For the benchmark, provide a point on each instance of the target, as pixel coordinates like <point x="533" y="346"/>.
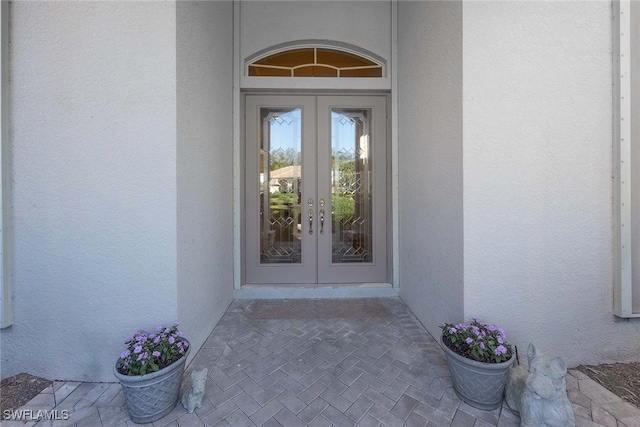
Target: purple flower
<point x="452" y="330"/>
<point x="482" y="345"/>
<point x="150" y="347"/>
<point x="175" y="323"/>
<point x="500" y="340"/>
<point x="500" y="350"/>
<point x="469" y="340"/>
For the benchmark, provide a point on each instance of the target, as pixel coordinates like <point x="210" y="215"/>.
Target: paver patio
<point x="364" y="362"/>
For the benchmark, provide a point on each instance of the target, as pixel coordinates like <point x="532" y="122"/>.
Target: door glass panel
<point x="351" y="186"/>
<point x="280" y="183"/>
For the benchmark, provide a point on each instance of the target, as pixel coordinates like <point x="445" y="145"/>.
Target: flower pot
<point x="151" y="396"/>
<point x="478" y="384"/>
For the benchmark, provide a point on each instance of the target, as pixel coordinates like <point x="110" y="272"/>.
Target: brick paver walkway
<point x="288" y="363"/>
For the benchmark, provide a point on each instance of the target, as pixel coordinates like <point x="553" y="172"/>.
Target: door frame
<point x="240" y="192"/>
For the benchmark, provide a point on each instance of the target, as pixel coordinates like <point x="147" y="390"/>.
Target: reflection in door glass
<point x="351" y="186"/>
<point x="280" y="183"/>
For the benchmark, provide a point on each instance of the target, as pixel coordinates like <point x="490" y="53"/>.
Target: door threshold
<point x="348" y="290"/>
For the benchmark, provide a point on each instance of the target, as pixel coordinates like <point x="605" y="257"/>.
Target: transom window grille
<point x="315" y="62"/>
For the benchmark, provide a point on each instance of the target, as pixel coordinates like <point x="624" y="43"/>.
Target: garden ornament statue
<point x="540" y="394"/>
<point x="192" y="398"/>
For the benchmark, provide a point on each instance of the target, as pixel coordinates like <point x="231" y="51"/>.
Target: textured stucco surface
<point x="366" y="24"/>
<point x="537" y="177"/>
<point x="93" y="137"/>
<point x="120" y="131"/>
<point x="430" y="158"/>
<point x="204" y="166"/>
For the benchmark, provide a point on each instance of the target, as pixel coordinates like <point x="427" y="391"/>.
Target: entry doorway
<point x="316" y="190"/>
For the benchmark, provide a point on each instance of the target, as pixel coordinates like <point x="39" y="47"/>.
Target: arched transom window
<point x="314" y="62"/>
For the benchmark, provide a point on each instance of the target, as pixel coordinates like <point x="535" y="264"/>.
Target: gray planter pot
<point x="479" y="384"/>
<point x="152" y="396"/>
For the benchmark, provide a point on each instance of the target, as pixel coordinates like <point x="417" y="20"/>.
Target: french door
<point x="316" y="189"/>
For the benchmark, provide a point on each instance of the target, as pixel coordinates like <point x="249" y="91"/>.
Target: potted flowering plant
<point x="150" y="372"/>
<point x="479" y="358"/>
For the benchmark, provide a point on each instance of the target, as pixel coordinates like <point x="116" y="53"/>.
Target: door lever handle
<point x="321" y="214"/>
<point x="310" y="221"/>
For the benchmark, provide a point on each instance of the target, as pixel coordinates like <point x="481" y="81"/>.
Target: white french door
<point x="316" y="189"/>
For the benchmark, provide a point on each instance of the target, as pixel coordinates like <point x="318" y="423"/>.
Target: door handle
<point x="321" y="214"/>
<point x="310" y="221"/>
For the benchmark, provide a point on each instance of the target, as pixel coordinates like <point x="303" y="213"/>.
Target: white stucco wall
<point x="366" y="24"/>
<point x="121" y="147"/>
<point x="537" y="177"/>
<point x="93" y="137"/>
<point x="430" y="160"/>
<point x="204" y="165"/>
